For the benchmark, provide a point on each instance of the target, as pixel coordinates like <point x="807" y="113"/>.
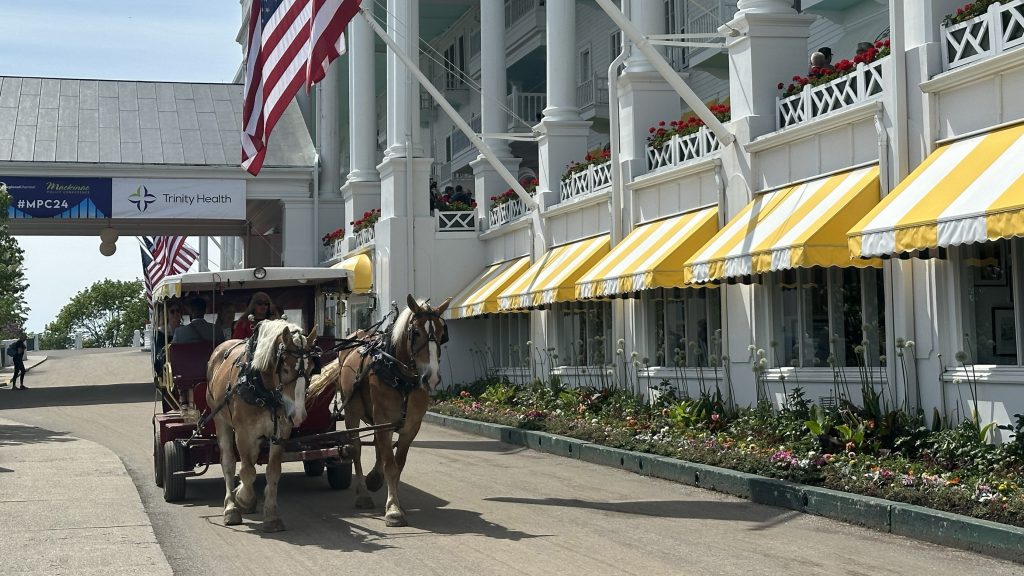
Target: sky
<point x="184" y="41"/>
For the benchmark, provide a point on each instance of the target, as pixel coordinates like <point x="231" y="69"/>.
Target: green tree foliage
<point x="108" y="313"/>
<point x="13" y="310"/>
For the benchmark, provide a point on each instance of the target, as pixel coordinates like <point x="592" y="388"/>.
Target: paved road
<point x="475" y="507"/>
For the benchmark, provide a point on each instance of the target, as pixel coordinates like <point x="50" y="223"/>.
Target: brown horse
<point x="376" y="393"/>
<point x="278" y="360"/>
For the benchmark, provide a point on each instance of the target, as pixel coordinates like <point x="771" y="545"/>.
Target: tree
<point x="108" y="312"/>
<point x="13" y="310"/>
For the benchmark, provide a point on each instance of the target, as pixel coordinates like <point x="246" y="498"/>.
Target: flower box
<point x="980" y="30"/>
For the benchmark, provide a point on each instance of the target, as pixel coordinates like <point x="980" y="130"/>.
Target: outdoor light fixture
<point x="108" y="235"/>
<point x="260" y="273"/>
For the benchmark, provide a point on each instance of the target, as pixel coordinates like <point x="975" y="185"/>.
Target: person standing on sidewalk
<point x="17" y="352"/>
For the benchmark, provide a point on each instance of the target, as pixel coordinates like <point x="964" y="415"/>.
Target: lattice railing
<point x="865" y="83"/>
<point x="525" y="106"/>
<point x="682" y="149"/>
<point x="995" y="31"/>
<point x="464" y="221"/>
<point x="507" y="212"/>
<point x="363" y="237"/>
<point x="339" y="248"/>
<point x="594" y="178"/>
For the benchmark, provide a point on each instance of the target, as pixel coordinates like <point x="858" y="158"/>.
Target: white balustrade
<point x="507" y="212"/>
<point x="995" y="31"/>
<point x="525" y="106"/>
<point x="865" y="83"/>
<point x="682" y="149"/>
<point x="364" y="237"/>
<point x="464" y="221"/>
<point x="339" y="248"/>
<point x="516" y="10"/>
<point x="589" y="181"/>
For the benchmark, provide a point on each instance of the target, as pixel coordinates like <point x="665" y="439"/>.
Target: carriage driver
<point x="199" y="329"/>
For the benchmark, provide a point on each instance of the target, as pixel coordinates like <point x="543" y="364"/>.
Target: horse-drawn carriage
<point x="184" y="438"/>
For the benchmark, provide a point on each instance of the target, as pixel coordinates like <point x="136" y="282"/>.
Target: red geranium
<point x="369" y="218"/>
<point x="330" y="237"/>
<point x="687" y="124"/>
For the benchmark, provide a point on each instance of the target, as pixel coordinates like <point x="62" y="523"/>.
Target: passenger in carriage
<point x="260" y="308"/>
<point x="162" y="339"/>
<point x="198" y="329"/>
<point x="225" y="319"/>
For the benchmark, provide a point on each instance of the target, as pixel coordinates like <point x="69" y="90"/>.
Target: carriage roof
<point x="276" y="277"/>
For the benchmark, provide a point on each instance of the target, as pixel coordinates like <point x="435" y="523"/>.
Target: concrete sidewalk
<point x="68" y="506"/>
<point x="33" y="360"/>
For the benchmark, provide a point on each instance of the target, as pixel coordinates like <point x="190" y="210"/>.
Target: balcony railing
<point x="516" y="10"/>
<point x="592" y="92"/>
<point x="525" y="106"/>
<point x="594" y="178"/>
<point x="707" y="16"/>
<point x="338" y="249"/>
<point x="507" y="212"/>
<point x="866" y="83"/>
<point x="363" y="238"/>
<point x="456" y="221"/>
<point x="997" y="30"/>
<point x="461" y="143"/>
<point x="682" y="149"/>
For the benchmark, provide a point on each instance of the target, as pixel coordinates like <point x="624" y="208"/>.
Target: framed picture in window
<point x="990" y="267"/>
<point x="1004" y="331"/>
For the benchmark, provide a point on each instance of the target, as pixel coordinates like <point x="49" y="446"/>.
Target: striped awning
<point x="481" y="296"/>
<point x="968" y="191"/>
<point x="651" y="256"/>
<point x="553" y="277"/>
<point x="796" y="227"/>
<point x="362" y="272"/>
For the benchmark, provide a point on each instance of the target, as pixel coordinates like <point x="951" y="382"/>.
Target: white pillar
<point x="561" y="64"/>
<point x="362" y="108"/>
<point x="329" y="131"/>
<point x="296" y="221"/>
<point x="649" y="18"/>
<point x="403" y="89"/>
<point x="493" y="77"/>
<point x="204" y="254"/>
<point x="765" y="6"/>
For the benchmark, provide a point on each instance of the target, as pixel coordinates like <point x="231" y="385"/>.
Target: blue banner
<point x="33" y="197"/>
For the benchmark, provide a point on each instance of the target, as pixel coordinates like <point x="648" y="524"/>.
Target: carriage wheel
<point x="174" y="461"/>
<point x="340" y="476"/>
<point x="313" y="467"/>
<point x="158" y="458"/>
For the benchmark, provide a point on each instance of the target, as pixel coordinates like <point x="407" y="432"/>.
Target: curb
<point x="28" y="365"/>
<point x="920" y="523"/>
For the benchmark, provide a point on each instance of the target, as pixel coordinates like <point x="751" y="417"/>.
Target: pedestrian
<point x="17" y="353"/>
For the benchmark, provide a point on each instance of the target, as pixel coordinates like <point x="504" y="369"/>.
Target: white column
<point x="493" y="77"/>
<point x="296" y="220"/>
<point x="765" y="6"/>
<point x="204" y="254"/>
<point x="328" y="130"/>
<point x="362" y="110"/>
<point x="403" y="90"/>
<point x="561" y="64"/>
<point x="649" y="18"/>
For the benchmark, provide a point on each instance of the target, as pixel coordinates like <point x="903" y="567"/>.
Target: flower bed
<point x="593" y="158"/>
<point x="369" y="218"/>
<point x="968" y="11"/>
<point x="509" y="195"/>
<point x="846" y="448"/>
<point x="446" y="204"/>
<point x="330" y="237"/>
<point x="819" y="76"/>
<point x="688" y="124"/>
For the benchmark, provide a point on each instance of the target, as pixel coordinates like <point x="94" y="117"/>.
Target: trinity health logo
<point x="142" y="198"/>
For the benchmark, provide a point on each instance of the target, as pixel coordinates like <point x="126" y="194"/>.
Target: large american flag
<point x="291" y="44"/>
<point x="167" y="255"/>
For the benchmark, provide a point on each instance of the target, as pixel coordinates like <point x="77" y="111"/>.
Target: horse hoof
<point x="246" y="508"/>
<point x="273" y="526"/>
<point x="374" y="481"/>
<point x="395" y="521"/>
<point x="364" y="503"/>
<point x="232" y="518"/>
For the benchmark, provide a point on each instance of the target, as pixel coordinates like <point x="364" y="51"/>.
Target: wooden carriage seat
<point x="188" y="363"/>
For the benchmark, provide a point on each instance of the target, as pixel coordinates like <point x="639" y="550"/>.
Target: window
<point x="510" y="334"/>
<point x="360" y="314"/>
<point x="615" y="43"/>
<point x="584" y="331"/>
<point x="455" y="63"/>
<point x="989" y="294"/>
<point x="683" y="326"/>
<point x="585" y="69"/>
<point x="827" y="315"/>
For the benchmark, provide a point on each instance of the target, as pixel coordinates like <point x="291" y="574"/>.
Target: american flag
<point x="167" y="255"/>
<point x="291" y="44"/>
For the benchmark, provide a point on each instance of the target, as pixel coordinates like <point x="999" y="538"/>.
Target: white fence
<point x="682" y="149"/>
<point x="363" y="237"/>
<point x="525" y="107"/>
<point x="464" y="221"/>
<point x="507" y="212"/>
<point x="865" y="83"/>
<point x="995" y="31"/>
<point x="592" y="91"/>
<point x="594" y="178"/>
<point x="339" y="248"/>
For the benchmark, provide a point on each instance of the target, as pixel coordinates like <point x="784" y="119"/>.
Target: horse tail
<point x="326" y="381"/>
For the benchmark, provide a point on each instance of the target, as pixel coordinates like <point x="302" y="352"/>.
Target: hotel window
<point x="585" y="70"/>
<point x="584" y="333"/>
<point x="683" y="326"/>
<point x="510" y="334"/>
<point x="827" y="313"/>
<point x="989" y="284"/>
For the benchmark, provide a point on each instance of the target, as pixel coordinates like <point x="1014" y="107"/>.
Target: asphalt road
<point x="475" y="506"/>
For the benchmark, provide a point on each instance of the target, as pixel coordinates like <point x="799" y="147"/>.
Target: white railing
<point x="592" y="92"/>
<point x="681" y="149"/>
<point x="339" y="248"/>
<point x="506" y="212"/>
<point x="594" y="178"/>
<point x="525" y="106"/>
<point x="995" y="31"/>
<point x="363" y="237"/>
<point x="455" y="221"/>
<point x="460" y="142"/>
<point x="516" y="10"/>
<point x="865" y="83"/>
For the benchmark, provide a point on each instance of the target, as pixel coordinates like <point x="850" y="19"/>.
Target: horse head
<point x="421" y="333"/>
<point x="285" y="354"/>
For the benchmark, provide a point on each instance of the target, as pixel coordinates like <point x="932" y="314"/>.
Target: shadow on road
<point x="15" y="434"/>
<point x="469" y="446"/>
<point x="81" y="395"/>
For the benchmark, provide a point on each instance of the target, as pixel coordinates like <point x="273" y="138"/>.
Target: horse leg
<point x="395" y="461"/>
<point x="249" y="453"/>
<point x="226" y="443"/>
<point x="363" y="499"/>
<point x="394" y="516"/>
<point x="271" y="521"/>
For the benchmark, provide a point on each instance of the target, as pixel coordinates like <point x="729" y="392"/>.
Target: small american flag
<point x="291" y="44"/>
<point x="170" y="255"/>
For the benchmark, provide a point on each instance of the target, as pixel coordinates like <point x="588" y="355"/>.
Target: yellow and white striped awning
<point x="968" y="191"/>
<point x="651" y="256"/>
<point x="481" y="296"/>
<point x="553" y="278"/>
<point x="362" y="272"/>
<point x="796" y="227"/>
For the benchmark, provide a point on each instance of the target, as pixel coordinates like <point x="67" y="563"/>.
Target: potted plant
<point x="508" y="195"/>
<point x="593" y="158"/>
<point x="369" y="218"/>
<point x="688" y="124"/>
<point x="331" y="237"/>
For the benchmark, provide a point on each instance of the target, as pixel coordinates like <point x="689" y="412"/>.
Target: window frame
<point x="558" y="330"/>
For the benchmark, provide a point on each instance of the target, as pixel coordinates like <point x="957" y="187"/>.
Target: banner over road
<point x="173" y="198"/>
<point x="33" y="197"/>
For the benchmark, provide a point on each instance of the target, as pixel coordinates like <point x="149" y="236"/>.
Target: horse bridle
<point x="313" y="354"/>
<point x="431" y="316"/>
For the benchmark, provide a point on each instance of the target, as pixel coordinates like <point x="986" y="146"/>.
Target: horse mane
<point x="270" y="330"/>
<point x="326" y="380"/>
<point x="402" y="324"/>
